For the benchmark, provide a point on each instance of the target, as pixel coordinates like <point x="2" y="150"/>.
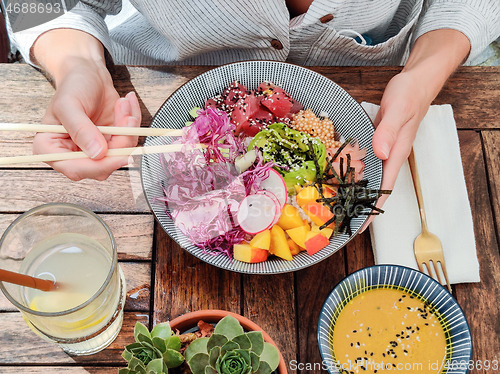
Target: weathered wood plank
<point x="479" y="301"/>
<point x="138" y="278"/>
<point x="313" y="285"/>
<point x="24" y="189"/>
<point x="20" y="346"/>
<point x="491" y="141"/>
<point x="133" y="233"/>
<point x="269" y="301"/>
<point x="359" y="253"/>
<point x="183" y="283"/>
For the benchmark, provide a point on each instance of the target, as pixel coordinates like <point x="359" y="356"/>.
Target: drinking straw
<point x="27" y="281"/>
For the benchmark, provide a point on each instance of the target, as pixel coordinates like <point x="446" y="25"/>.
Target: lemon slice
<point x="60" y="301"/>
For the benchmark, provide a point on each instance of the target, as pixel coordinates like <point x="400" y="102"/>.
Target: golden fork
<point x="427" y="246"/>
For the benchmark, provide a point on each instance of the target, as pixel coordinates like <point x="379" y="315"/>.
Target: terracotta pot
<point x="190" y="320"/>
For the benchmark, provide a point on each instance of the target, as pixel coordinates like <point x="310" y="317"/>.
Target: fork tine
<point x="436" y="270"/>
<point x="426" y="267"/>
<point x="443" y="268"/>
<point x="421" y="266"/>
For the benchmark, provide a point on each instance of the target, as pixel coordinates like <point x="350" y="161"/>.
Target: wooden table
<point x="164" y="281"/>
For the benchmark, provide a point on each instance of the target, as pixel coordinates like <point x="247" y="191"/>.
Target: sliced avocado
<point x="289" y="149"/>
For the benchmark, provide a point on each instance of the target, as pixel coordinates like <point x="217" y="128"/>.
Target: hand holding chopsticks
<point x="109" y="130"/>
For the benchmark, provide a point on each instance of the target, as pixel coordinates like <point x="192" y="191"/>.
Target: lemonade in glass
<point x="73" y="247"/>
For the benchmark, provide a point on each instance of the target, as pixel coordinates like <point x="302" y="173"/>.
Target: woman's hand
<point x="85" y="98"/>
<point x="403" y="106"/>
<point x="408" y="96"/>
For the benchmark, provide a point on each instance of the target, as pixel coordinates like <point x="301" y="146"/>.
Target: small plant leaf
<point x="159" y="343"/>
<point x="216" y="340"/>
<point x="210" y="370"/>
<point x="257" y="341"/>
<point x="155" y="366"/>
<point x="245" y="354"/>
<point x="162" y="330"/>
<point x="229" y="346"/>
<point x="172" y="358"/>
<point x="127" y="355"/>
<point x="124" y="371"/>
<point x="270" y="355"/>
<point x="243" y="341"/>
<point x="264" y="368"/>
<point x="136" y="365"/>
<point x="198" y="363"/>
<point x="214" y="354"/>
<point x="229" y="327"/>
<point x="174" y="342"/>
<point x="139" y="328"/>
<point x="197" y="346"/>
<point x="255" y="361"/>
<point x="145" y="339"/>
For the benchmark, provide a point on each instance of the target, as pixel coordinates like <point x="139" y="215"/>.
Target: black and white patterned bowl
<point x="451" y="316"/>
<point x="313" y="90"/>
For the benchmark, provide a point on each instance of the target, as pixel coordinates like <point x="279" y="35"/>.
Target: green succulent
<point x="152" y="353"/>
<point x="232" y="351"/>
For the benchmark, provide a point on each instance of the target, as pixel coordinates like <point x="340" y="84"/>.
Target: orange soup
<point x="388" y="329"/>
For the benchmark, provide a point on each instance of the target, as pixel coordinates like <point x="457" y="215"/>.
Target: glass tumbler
<point x="72" y="246"/>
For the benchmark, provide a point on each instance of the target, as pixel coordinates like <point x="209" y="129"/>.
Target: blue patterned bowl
<point x="314" y="91"/>
<point x="457" y="333"/>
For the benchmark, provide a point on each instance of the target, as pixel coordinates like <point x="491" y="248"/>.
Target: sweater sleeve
<point x="478" y="20"/>
<point x="87" y="16"/>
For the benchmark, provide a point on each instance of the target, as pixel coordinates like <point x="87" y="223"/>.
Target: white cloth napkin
<point x="446" y="202"/>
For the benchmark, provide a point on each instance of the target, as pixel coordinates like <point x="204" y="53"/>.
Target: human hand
<point x="403" y="106"/>
<point x="85" y="98"/>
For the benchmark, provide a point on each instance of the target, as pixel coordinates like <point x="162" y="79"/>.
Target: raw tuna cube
<point x="234" y="92"/>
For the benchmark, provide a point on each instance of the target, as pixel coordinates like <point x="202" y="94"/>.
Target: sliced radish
<point x="275" y="184"/>
<point x="243" y="162"/>
<point x="276" y="202"/>
<point x="256" y="213"/>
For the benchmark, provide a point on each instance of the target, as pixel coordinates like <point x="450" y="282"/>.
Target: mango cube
<point x="279" y="246"/>
<point x="246" y="253"/>
<point x="314" y="242"/>
<point x="262" y="240"/>
<point x="298" y="235"/>
<point x="294" y="248"/>
<point x="290" y="218"/>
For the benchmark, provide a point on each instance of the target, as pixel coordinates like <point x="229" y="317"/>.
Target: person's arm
<point x="408" y="95"/>
<point x="85" y="97"/>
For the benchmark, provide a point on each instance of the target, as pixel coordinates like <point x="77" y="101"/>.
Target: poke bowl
<point x="262" y="161"/>
<point x="390" y="317"/>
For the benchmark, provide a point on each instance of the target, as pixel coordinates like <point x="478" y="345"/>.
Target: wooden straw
<point x="27" y="281"/>
<point x="108" y="130"/>
<point x="51" y="157"/>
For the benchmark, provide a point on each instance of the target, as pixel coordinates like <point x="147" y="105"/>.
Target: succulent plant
<point x="230" y="350"/>
<point x="152" y="353"/>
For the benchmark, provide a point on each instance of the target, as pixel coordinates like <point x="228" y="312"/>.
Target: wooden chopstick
<point x="51" y="157"/>
<point x="108" y="130"/>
